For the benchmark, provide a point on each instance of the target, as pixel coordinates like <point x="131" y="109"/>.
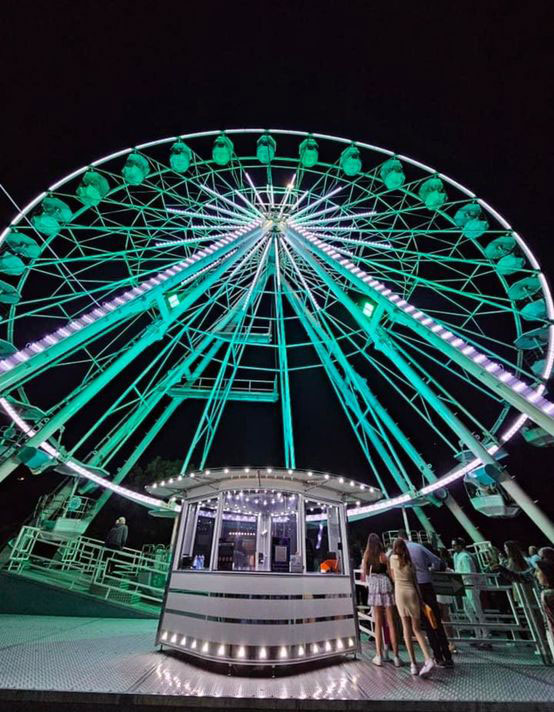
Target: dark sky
<point x="462" y="86"/>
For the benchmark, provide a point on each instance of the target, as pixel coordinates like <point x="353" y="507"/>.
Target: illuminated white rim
<point x="400" y="500"/>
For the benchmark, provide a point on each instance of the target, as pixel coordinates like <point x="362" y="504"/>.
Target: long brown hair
<point x="373" y="550"/>
<point x="516" y="560"/>
<point x="401" y="550"/>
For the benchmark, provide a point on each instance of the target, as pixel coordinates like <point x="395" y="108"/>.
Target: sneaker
<point x="444" y="663"/>
<point x="413" y="669"/>
<point x="397" y="661"/>
<point x="427" y="668"/>
<point x="378" y="660"/>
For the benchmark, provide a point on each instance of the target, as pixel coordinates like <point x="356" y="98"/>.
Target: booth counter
<point x="261" y="573"/>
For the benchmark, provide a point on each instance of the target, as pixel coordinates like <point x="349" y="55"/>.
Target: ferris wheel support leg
<point x="384" y="343"/>
<point x="215" y="404"/>
<point x="284" y="383"/>
<point x="534" y="512"/>
<point x="21" y="372"/>
<point x="328" y="352"/>
<point x="464" y="521"/>
<point x="8" y="466"/>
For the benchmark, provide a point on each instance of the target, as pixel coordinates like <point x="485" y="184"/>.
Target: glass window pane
<point x="323" y="539"/>
<point x="237" y="543"/>
<point x="198" y="536"/>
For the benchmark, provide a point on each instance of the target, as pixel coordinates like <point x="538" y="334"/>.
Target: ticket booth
<point x="261" y="573"/>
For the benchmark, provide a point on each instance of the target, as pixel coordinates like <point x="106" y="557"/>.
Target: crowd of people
<point x="401" y="579"/>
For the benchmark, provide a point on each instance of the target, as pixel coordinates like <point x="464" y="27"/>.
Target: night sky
<point x="465" y="87"/>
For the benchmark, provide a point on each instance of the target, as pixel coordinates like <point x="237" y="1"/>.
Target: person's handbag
<point x="430" y="615"/>
<point x="425" y="607"/>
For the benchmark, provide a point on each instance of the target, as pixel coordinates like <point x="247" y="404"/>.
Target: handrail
<point x="522" y="619"/>
<point x="114" y="571"/>
<point x="239" y="384"/>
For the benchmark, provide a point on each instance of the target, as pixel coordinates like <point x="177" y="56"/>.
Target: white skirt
<point x="379" y="590"/>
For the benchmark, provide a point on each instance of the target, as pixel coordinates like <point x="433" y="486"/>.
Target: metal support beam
<point x="135" y="455"/>
<point x="145" y="297"/>
<point x="370" y="399"/>
<point x="151" y="334"/>
<point x="213" y="410"/>
<point x="531" y="404"/>
<point x="384" y="343"/>
<point x="284" y="384"/>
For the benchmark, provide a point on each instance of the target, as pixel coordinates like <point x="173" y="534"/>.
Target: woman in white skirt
<point x="380" y="596"/>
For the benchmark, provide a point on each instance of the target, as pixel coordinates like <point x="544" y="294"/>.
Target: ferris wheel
<point x="219" y="266"/>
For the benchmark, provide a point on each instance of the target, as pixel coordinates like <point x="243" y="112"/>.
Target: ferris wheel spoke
<point x="284" y="382"/>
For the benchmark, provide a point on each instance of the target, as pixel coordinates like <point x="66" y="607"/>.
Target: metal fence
<point x="81" y="563"/>
<point x="479" y="608"/>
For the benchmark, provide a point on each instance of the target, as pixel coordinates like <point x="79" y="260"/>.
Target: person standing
<point x="408" y="603"/>
<point x="380" y="596"/>
<point x="465" y="563"/>
<point x="533" y="556"/>
<point x="116" y="539"/>
<point x="424" y="561"/>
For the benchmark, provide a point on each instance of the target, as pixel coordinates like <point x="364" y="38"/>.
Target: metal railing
<point x="246" y="385"/>
<point x="513" y="616"/>
<point x="125" y="575"/>
<point x="420" y="537"/>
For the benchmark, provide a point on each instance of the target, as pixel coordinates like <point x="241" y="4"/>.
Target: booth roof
<point x="308" y="482"/>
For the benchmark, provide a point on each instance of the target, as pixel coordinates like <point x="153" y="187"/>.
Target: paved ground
<point x="87" y="657"/>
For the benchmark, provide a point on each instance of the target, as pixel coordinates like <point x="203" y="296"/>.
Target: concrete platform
<point x="85" y="664"/>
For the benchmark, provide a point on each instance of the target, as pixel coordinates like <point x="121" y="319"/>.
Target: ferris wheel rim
<point x="512" y="428"/>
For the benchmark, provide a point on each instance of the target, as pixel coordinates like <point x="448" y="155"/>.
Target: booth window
<point x="324" y="548"/>
<point x="259" y="532"/>
<point x="198" y="536"/>
<point x="237" y="543"/>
